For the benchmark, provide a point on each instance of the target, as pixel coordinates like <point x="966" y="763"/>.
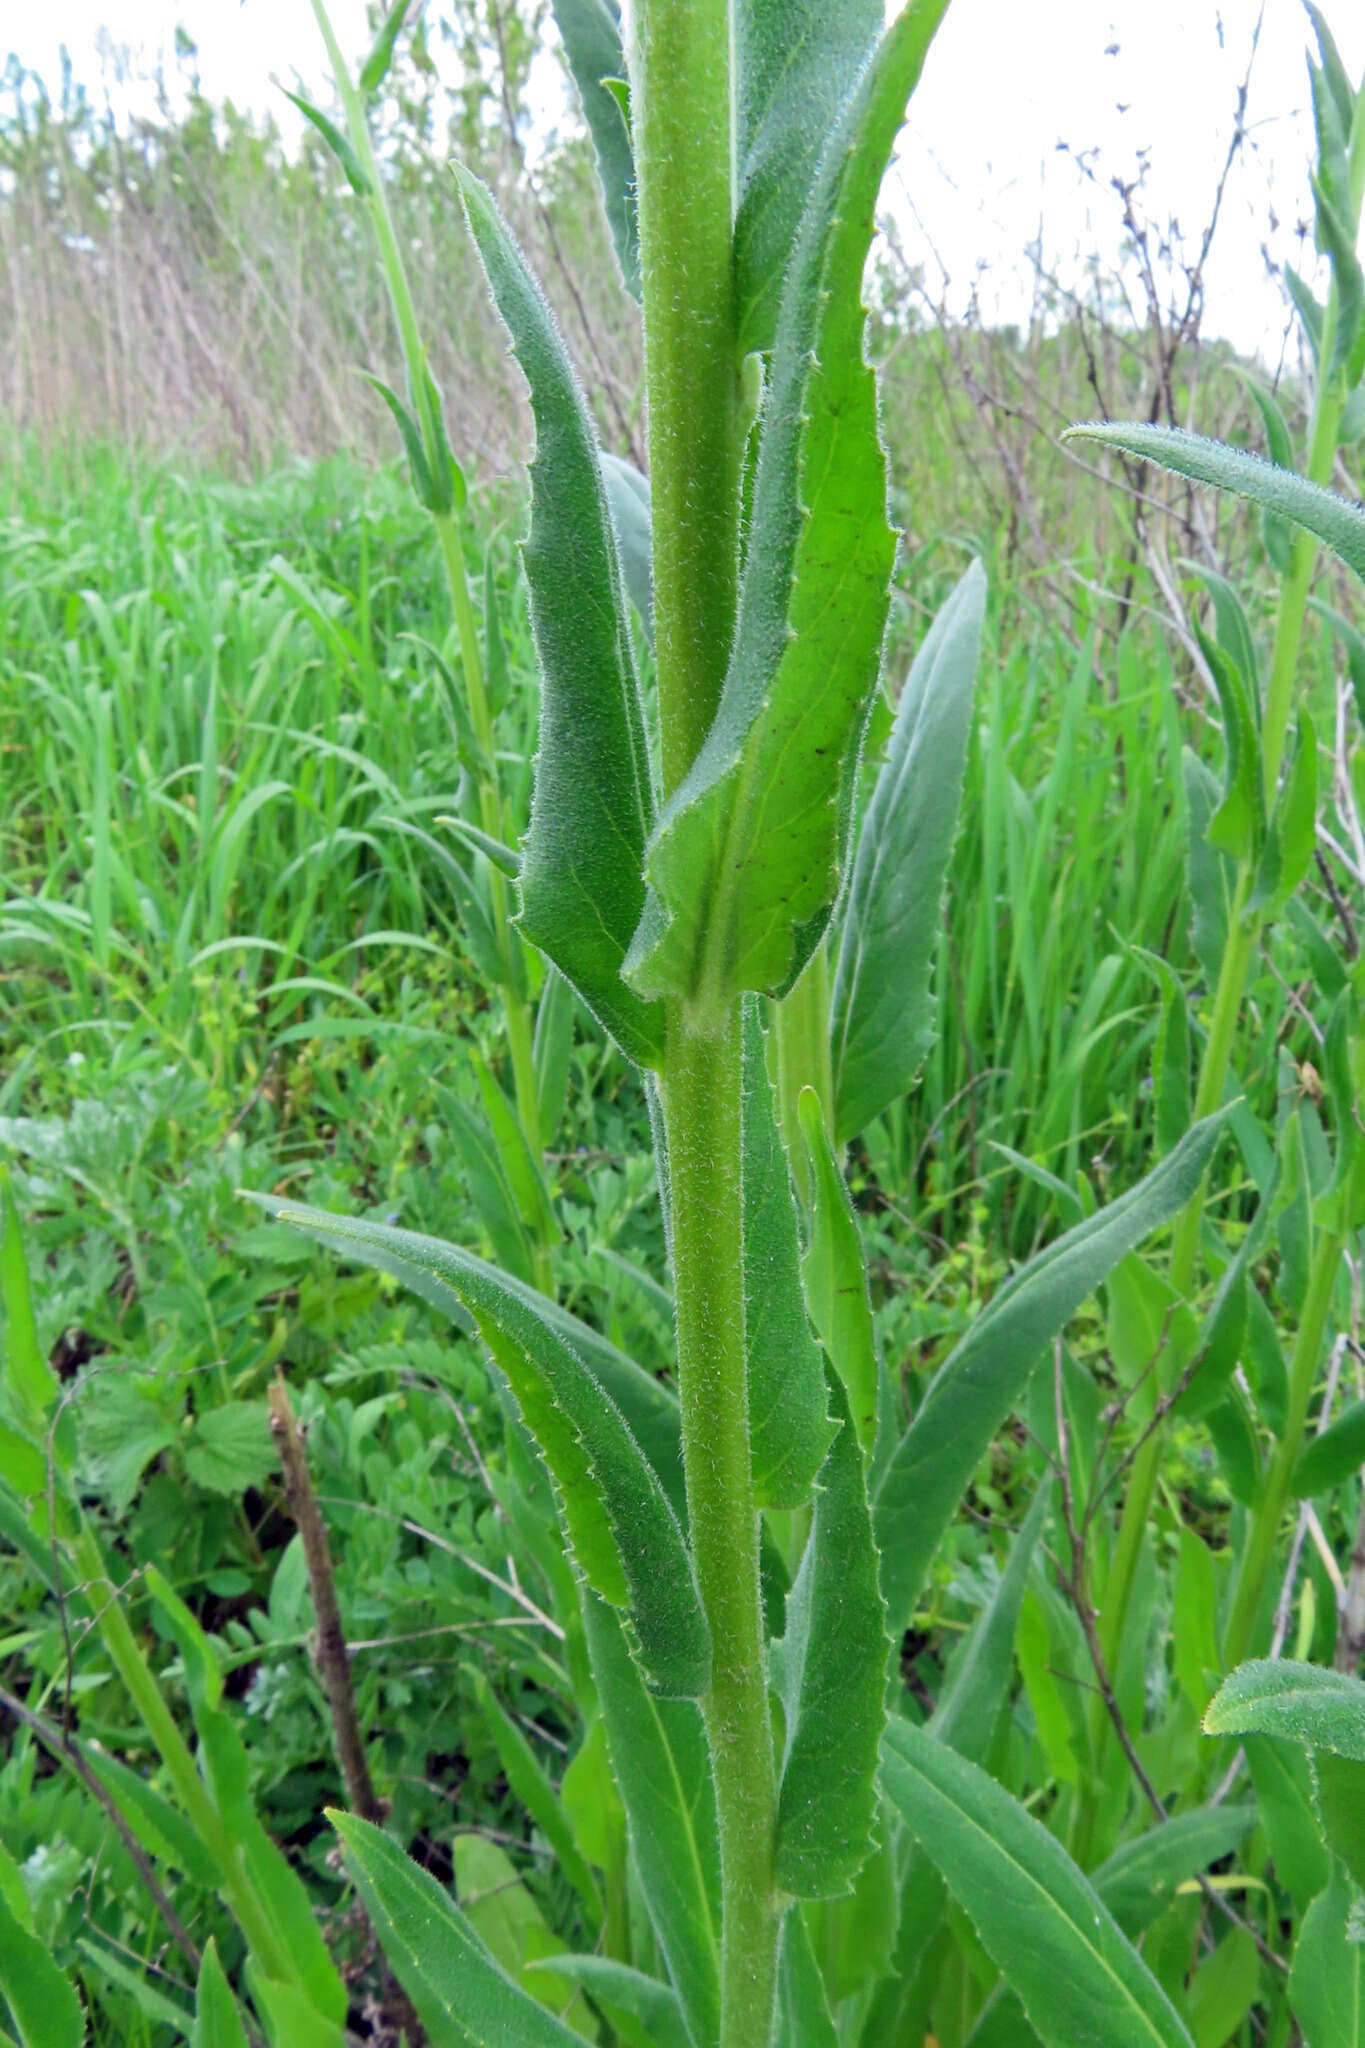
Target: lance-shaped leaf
<point x="1327" y="1983"/>
<point x="1299" y="1702"/>
<point x="830" y="1672"/>
<point x="1140" y="1879"/>
<point x="43" y="2006"/>
<point x="881" y="1009"/>
<point x="789" y="1425"/>
<point x="581" y="884"/>
<point x="1333" y="1457"/>
<point x="1335" y="521"/>
<point x="1040" y="1920"/>
<point x="463" y="1998"/>
<point x="622" y="1526"/>
<point x="658" y="1754"/>
<point x="217" y="2022"/>
<point x="976" y="1387"/>
<point x="803" y="2019"/>
<point x="796" y="61"/>
<point x="835" y="1275"/>
<point x="745" y="863"/>
<point x="632" y="516"/>
<point x="591" y="33"/>
<point x="612" y="1984"/>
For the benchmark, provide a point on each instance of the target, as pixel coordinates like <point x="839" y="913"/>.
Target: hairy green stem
<point x="701" y="1100"/>
<point x="683" y="155"/>
<point x="1265" y="1522"/>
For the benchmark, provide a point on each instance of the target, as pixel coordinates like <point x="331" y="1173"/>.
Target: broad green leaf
<point x="789" y="1425"/>
<point x="1332" y="1457"/>
<point x="462" y="1997"/>
<point x="835" y="1275"/>
<point x="1335" y="521"/>
<point x="289" y="2016"/>
<point x="1298" y="1702"/>
<point x="623" y="1528"/>
<point x="232" y="1448"/>
<point x="796" y="61"/>
<point x="975" y="1389"/>
<point x="582" y="888"/>
<point x="435" y="1271"/>
<point x="830" y="1673"/>
<point x="1339" y="1785"/>
<point x="591" y="33"/>
<point x="29" y="1380"/>
<point x="494" y="1898"/>
<point x="645" y="1999"/>
<point x="628" y="497"/>
<point x="1237" y="827"/>
<point x="1194" y="1620"/>
<point x="217" y="2022"/>
<point x="1223" y="1989"/>
<point x="43" y="2006"/>
<point x="1327" y="1983"/>
<point x="528" y="1782"/>
<point x="746" y="861"/>
<point x="1037" y="1916"/>
<point x="881" y="1008"/>
<point x="803" y="2019"/>
<point x="977" y="1679"/>
<point x="658" y="1754"/>
<point x="158" y="1825"/>
<point x="1283" y="1781"/>
<point x="1140" y="1879"/>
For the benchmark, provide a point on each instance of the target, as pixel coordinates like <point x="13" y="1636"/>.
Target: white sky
<point x="980" y="171"/>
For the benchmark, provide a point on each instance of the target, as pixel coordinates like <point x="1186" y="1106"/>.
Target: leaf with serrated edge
<point x="745" y="863"/>
<point x="830" y="1672"/>
<point x="796" y="61"/>
<point x="625" y="1533"/>
<point x="658" y="1754"/>
<point x="881" y="1012"/>
<point x="42" y="2004"/>
<point x="1298" y="1702"/>
<point x="582" y="888"/>
<point x="789" y="1425"/>
<point x="1040" y="1920"/>
<point x="1335" y="521"/>
<point x="976" y="1387"/>
<point x="462" y="1997"/>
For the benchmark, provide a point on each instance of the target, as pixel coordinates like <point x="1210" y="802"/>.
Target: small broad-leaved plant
<point x="748" y="1545"/>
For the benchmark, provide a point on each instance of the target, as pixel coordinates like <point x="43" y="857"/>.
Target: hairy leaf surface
<point x="1299" y="1702"/>
<point x="591" y="33"/>
<point x="581" y="884"/>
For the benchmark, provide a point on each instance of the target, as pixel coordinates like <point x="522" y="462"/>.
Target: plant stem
<point x="1265" y="1522"/>
<point x="701" y="1097"/>
<point x="683" y="154"/>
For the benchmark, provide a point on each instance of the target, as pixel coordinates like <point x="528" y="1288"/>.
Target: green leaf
<point x="217" y="2022"/>
<point x="1171" y="1091"/>
<point x="462" y="1997"/>
<point x="614" y="1984"/>
<point x="835" y="1275"/>
<point x="1293" y="829"/>
<point x="1223" y="1990"/>
<point x="501" y="1910"/>
<point x="745" y="863"/>
<point x="338" y="143"/>
<point x="375" y="69"/>
<point x="977" y="1679"/>
<point x="232" y="1448"/>
<point x="29" y="1380"/>
<point x="1336" y="522"/>
<point x="803" y="2019"/>
<point x="1139" y="1880"/>
<point x="436" y="1271"/>
<point x="789" y="1426"/>
<point x="975" y="1389"/>
<point x="1297" y="1702"/>
<point x="427" y="487"/>
<point x="139" y="1987"/>
<point x="1284" y="1795"/>
<point x="1038" y="1918"/>
<point x="830" y="1673"/>
<point x="1327" y="1983"/>
<point x="289" y="2016"/>
<point x="582" y="889"/>
<point x="489" y="1184"/>
<point x="658" y="1754"/>
<point x="1212" y="875"/>
<point x="628" y="497"/>
<point x="1237" y="827"/>
<point x="796" y="62"/>
<point x="591" y="33"/>
<point x="1332" y="1457"/>
<point x="1308" y="309"/>
<point x="1353" y="646"/>
<point x="529" y="1784"/>
<point x="1277" y="532"/>
<point x="623" y="1528"/>
<point x="43" y="2006"/>
<point x="881" y="1009"/>
<point x="1339" y="1785"/>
